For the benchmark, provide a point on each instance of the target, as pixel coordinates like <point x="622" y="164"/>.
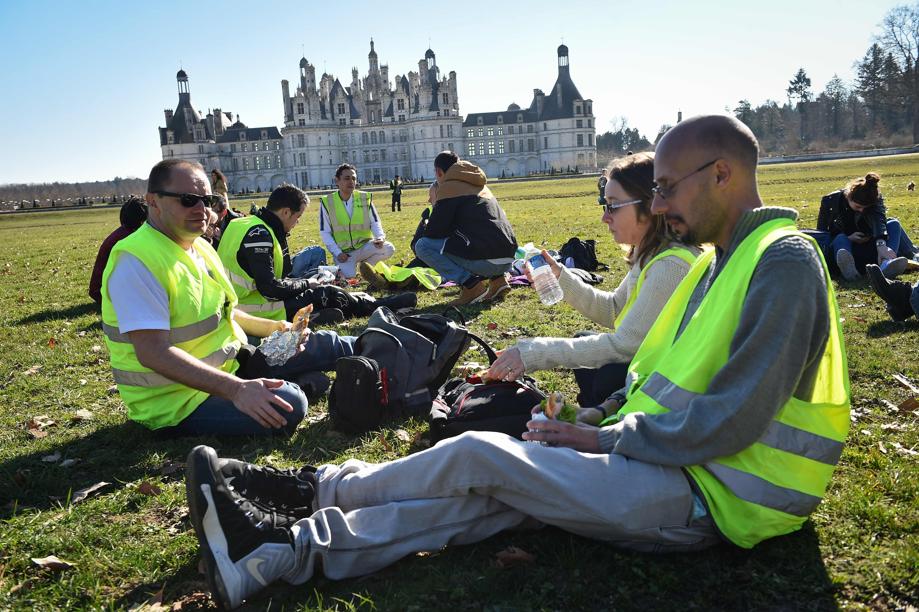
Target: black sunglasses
<point x="190" y="200"/>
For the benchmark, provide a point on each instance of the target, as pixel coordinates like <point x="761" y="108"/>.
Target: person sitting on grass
<point x="900" y="298"/>
<point x="173" y="330"/>
<point x="658" y="260"/>
<point x="467" y="238"/>
<point x="254" y="251"/>
<point x="731" y="427"/>
<point x="132" y="215"/>
<point x="860" y="232"/>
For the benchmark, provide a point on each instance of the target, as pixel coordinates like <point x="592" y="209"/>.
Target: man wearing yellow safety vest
<point x="254" y="251"/>
<point x="174" y="331"/>
<point x="730" y="427"/>
<point x="350" y="226"/>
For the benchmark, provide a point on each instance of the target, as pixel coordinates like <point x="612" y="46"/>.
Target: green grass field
<point x="860" y="550"/>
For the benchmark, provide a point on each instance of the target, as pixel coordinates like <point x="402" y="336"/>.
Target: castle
<point x="384" y="128"/>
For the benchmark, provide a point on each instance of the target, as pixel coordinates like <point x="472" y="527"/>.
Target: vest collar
<point x="274" y="222"/>
<point x="749" y="221"/>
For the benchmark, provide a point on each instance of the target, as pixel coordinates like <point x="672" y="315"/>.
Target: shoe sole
<point x="500" y="293"/>
<point x="877" y="280"/>
<point x="846" y="264"/>
<point x="895" y="267"/>
<point x="197" y="474"/>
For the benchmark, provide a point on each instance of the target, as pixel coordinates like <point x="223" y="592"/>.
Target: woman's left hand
<point x="580" y="437"/>
<point x="508" y="365"/>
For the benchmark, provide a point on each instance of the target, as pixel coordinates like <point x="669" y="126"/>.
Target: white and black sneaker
<point x="244" y="547"/>
<point x="289" y="492"/>
<point x="846" y="264"/>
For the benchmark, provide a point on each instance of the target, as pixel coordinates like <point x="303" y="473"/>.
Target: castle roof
<point x="232" y="134"/>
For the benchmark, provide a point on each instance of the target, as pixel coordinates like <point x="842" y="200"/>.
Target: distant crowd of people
<point x="714" y="409"/>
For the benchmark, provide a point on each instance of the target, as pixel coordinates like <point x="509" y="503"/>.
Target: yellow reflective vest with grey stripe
<point x="250" y="300"/>
<point x="349" y="233"/>
<point x="770" y="487"/>
<point x="684" y="254"/>
<point x="200" y="322"/>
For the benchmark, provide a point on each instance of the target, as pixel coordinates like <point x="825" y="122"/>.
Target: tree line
<point x="879" y="109"/>
<point x="41" y="194"/>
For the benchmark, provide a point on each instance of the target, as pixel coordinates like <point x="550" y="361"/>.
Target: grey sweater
<point x="774" y="355"/>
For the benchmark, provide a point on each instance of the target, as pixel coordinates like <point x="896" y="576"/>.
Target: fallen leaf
<point x="905" y="451"/>
<point x="95" y="348"/>
<point x="513" y="555"/>
<point x="81" y="415"/>
<point x="37" y="433"/>
<point x="492" y="326"/>
<point x="385" y="443"/>
<point x="148" y="488"/>
<point x="909" y="404"/>
<point x="22" y="586"/>
<point x="153" y="604"/>
<point x="52" y="458"/>
<point x="33" y="370"/>
<point x="82" y="494"/>
<point x="41" y="421"/>
<point x="403" y="435"/>
<point x="81" y="334"/>
<point x="52" y="342"/>
<point x="82" y="381"/>
<point x="882" y="448"/>
<point x="859" y="319"/>
<point x="906" y="383"/>
<point x="66" y="463"/>
<point x="52" y="563"/>
<point x="171" y="467"/>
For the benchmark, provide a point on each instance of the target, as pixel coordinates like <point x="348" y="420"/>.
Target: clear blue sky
<point x="84" y="84"/>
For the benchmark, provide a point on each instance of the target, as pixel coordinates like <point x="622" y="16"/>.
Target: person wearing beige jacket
<point x="658" y="262"/>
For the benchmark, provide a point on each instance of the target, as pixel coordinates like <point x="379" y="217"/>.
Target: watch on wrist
<point x="880" y="243"/>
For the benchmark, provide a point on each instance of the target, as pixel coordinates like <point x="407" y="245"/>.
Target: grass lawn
<point x="132" y="538"/>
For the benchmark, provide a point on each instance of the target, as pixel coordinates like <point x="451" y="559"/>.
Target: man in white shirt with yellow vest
<point x="733" y="418"/>
<point x="173" y="330"/>
<point x="350" y="226"/>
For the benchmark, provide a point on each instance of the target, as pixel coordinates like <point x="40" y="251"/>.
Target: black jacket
<point x="258" y="261"/>
<point x="469" y="217"/>
<point x="837" y="217"/>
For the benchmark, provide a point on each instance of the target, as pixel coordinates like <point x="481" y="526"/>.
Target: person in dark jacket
<point x="132" y="215"/>
<point x="467" y="238"/>
<point x="255" y="256"/>
<point x="860" y="232"/>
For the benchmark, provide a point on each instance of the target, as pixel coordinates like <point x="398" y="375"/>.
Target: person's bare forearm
<point x="257" y="326"/>
<point x="175" y="364"/>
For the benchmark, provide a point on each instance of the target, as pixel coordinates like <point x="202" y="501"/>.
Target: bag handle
<point x="462" y="319"/>
<point x="489" y="352"/>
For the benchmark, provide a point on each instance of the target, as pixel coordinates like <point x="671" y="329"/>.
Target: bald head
<point x="711" y="137"/>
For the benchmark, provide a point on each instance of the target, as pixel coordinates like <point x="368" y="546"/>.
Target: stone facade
<point x="383" y="130"/>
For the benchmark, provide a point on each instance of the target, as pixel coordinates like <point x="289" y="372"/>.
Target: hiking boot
<point x="892" y="268"/>
<point x="373" y="278"/>
<point x="397" y="303"/>
<point x="289" y="491"/>
<point x="896" y="294"/>
<point x="497" y="288"/>
<point x="471" y="295"/>
<point x="327" y="316"/>
<point x="243" y="546"/>
<point x="846" y="264"/>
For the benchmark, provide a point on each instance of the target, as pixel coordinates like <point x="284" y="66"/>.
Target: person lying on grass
<point x="729" y="429"/>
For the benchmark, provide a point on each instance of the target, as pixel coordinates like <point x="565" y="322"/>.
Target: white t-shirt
<point x="325" y="232"/>
<point x="139" y="300"/>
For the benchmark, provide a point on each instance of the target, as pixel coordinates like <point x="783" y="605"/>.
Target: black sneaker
<point x="243" y="547"/>
<point x="289" y="492"/>
<point x="327" y="316"/>
<point x="895" y="293"/>
<point x="396" y="303"/>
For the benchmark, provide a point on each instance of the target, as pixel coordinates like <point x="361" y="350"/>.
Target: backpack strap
<point x="489" y="352"/>
<point x="459" y="314"/>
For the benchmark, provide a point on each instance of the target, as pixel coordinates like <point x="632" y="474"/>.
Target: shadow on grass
<point x="882" y="329"/>
<point x="76" y="310"/>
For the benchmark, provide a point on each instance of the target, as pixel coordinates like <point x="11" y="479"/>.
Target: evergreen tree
<point x="900" y="38"/>
<point x="799" y="91"/>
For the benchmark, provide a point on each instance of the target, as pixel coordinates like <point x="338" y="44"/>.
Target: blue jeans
<point x="866" y="253"/>
<point x="220" y="417"/>
<point x="322" y="350"/>
<point x="898" y="241"/>
<point x="454" y="268"/>
<point x="309" y="258"/>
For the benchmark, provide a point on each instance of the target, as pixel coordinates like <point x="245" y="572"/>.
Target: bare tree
<point x="900" y="37"/>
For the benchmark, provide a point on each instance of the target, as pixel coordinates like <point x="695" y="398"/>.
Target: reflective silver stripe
<point x="266" y="307"/>
<point x="176" y="335"/>
<point x="762" y="492"/>
<point x="242" y="282"/>
<point x="803" y="443"/>
<point x="666" y="393"/>
<point x="258" y="244"/>
<point x="152" y="379"/>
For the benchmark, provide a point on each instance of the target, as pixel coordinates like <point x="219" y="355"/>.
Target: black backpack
<point x="396" y="369"/>
<point x="469" y="404"/>
<point x="583" y="254"/>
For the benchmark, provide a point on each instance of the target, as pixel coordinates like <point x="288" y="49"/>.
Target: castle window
<point x="277" y="161"/>
<point x="529" y="128"/>
<point x="382" y="154"/>
<point x="446" y="99"/>
<point x="303" y="159"/>
<point x="375" y="155"/>
<point x="242" y="136"/>
<point x="450" y="131"/>
<point x="245" y="163"/>
<point x="364" y="138"/>
<point x="481" y="132"/>
<point x="479" y="120"/>
<point x="258" y="162"/>
<point x="590" y="140"/>
<point x="401" y="118"/>
<point x="344" y="156"/>
<point x="531" y="144"/>
<point x="400" y="104"/>
<point x="491" y="147"/>
<point x="580" y="140"/>
<point x="170" y="137"/>
<point x="277" y="145"/>
<point x="578" y="123"/>
<point x="470" y="149"/>
<point x="235" y="164"/>
<point x="299" y="108"/>
<point x="233" y="147"/>
<point x="341" y="109"/>
<point x="382" y="137"/>
<point x="545" y="142"/>
<point x="511" y="146"/>
<point x="264" y="134"/>
<point x="200" y="149"/>
<point x="500" y="130"/>
<point x="449" y="146"/>
<point x="481" y="147"/>
<point x="341" y="121"/>
<point x="500" y="147"/>
<point x="500" y="118"/>
<point x="373" y="116"/>
<point x="590" y="123"/>
<point x="373" y="138"/>
<point x="267" y="161"/>
<point x="577" y="109"/>
<point x="519" y="117"/>
<point x="470" y="133"/>
<point x="490" y="131"/>
<point x="544" y="126"/>
<point x="301" y="140"/>
<point x="244" y="147"/>
<point x="441" y="131"/>
<point x="301" y="122"/>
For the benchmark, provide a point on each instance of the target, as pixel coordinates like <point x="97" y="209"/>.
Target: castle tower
<point x="372" y="58"/>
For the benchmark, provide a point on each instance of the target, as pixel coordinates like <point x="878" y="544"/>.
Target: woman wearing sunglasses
<point x="658" y="261"/>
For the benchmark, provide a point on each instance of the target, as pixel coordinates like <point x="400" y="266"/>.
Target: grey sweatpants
<point x="468" y="488"/>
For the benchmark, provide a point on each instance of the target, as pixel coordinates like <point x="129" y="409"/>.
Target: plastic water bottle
<point x="544" y="281"/>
